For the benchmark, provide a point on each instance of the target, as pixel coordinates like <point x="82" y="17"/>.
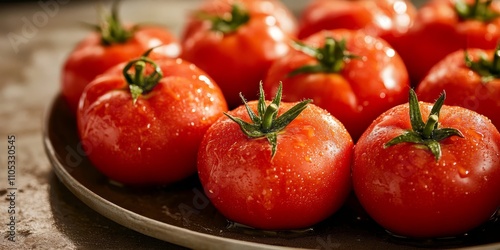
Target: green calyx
<point x="111" y="29"/>
<point x="228" y="23"/>
<point x="488" y="70"/>
<point x="139" y="83"/>
<point x="479" y="10"/>
<point x="331" y="57"/>
<point x="428" y="134"/>
<point x="266" y="123"/>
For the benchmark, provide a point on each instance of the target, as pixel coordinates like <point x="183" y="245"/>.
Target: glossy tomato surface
<point x="410" y="193"/>
<point x="306" y="181"/>
<point x="366" y="86"/>
<point x="154" y="140"/>
<point x="91" y="57"/>
<point x="439" y="31"/>
<point x="464" y="87"/>
<point x="237" y="60"/>
<point x="388" y="19"/>
<point x="285" y="19"/>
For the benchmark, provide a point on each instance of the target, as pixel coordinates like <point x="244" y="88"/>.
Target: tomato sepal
<point x="266" y="123"/>
<point x="427" y="134"/>
<point x="487" y="69"/>
<point x="227" y="23"/>
<point x="331" y="57"/>
<point x="479" y="10"/>
<point x="140" y="83"/>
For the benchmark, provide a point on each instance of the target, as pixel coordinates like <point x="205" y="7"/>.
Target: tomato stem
<point x="266" y="123"/>
<point x="429" y="126"/>
<point x="331" y="57"/>
<point x="227" y="23"/>
<point x="111" y="29"/>
<point x="479" y="10"/>
<point x="140" y="83"/>
<point x="428" y="134"/>
<point x="269" y="116"/>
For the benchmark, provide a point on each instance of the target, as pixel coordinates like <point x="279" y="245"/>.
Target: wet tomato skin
<point x="307" y="180"/>
<point x="155" y="140"/>
<point x="405" y="190"/>
<point x="388" y="19"/>
<point x="464" y="87"/>
<point x="238" y="60"/>
<point x="285" y="19"/>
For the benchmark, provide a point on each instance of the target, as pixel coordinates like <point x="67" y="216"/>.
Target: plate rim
<point x="160" y="230"/>
<point x="129" y="219"/>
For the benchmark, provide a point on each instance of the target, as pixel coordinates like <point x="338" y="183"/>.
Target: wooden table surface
<point x="48" y="216"/>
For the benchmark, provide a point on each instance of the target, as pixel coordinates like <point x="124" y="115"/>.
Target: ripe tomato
<point x="236" y="48"/>
<point x="471" y="80"/>
<point x="146" y="129"/>
<point x="445" y="26"/>
<point x="424" y="180"/>
<point x="354" y="76"/>
<point x="275" y="8"/>
<point x="276" y="176"/>
<point x="388" y="19"/>
<point x="112" y="45"/>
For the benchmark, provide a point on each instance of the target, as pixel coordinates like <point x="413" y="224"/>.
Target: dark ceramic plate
<point x="182" y="214"/>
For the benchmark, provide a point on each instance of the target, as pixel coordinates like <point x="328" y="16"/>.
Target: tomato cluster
<point x="344" y="115"/>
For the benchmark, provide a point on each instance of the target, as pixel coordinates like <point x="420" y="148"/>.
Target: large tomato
<point x="276" y="172"/>
<point x="471" y="80"/>
<point x="145" y="129"/>
<point x="445" y="26"/>
<point x="388" y="19"/>
<point x="435" y="179"/>
<point x="236" y="48"/>
<point x="114" y="44"/>
<point x="354" y="76"/>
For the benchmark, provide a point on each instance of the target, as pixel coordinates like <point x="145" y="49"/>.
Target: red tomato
<point x="354" y="90"/>
<point x="99" y="52"/>
<point x="440" y="29"/>
<point x="153" y="137"/>
<point x="305" y="181"/>
<point x="473" y="83"/>
<point x="284" y="17"/>
<point x="388" y="19"/>
<point x="236" y="48"/>
<point x="425" y="180"/>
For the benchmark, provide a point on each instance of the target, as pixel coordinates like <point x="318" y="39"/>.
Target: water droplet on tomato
<point x="308" y="158"/>
<point x="463" y="172"/>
